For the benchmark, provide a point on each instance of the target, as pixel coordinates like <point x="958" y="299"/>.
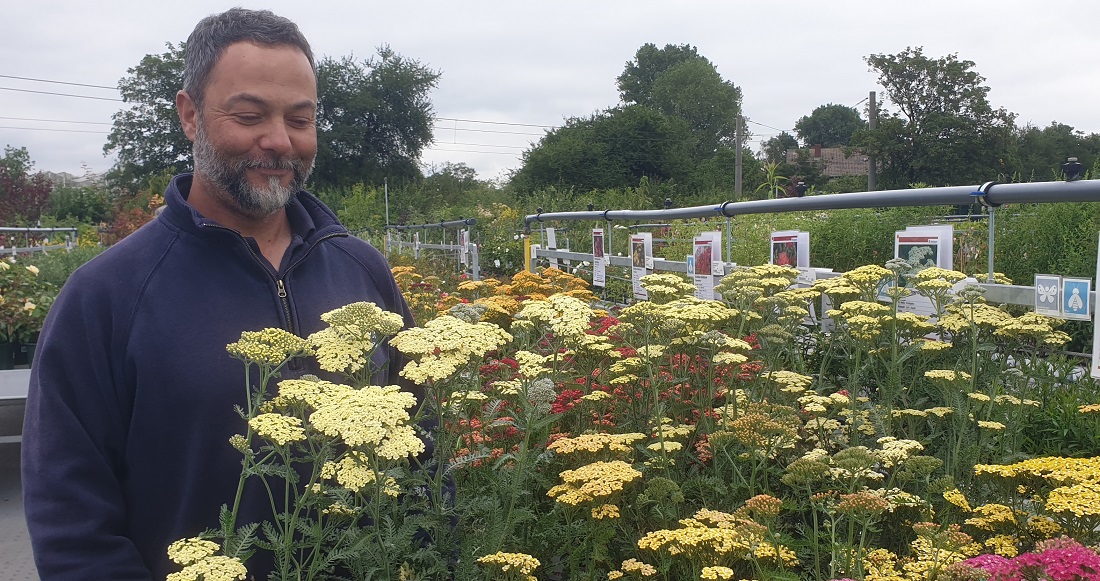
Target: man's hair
<point x="215" y="33"/>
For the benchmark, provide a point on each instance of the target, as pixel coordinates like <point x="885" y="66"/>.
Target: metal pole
<point x="872" y="122"/>
<point x="991" y="229"/>
<point x="737" y="154"/>
<point x="729" y="239"/>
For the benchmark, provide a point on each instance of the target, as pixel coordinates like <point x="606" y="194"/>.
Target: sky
<point x="512" y="69"/>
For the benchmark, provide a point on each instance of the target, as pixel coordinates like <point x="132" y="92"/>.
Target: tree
<point x="679" y="82"/>
<point x="374" y="118"/>
<point x="612" y="149"/>
<point x="637" y="80"/>
<point x="24" y="196"/>
<point x="775" y="149"/>
<point x="147" y="136"/>
<point x="829" y="125"/>
<point x="945" y="131"/>
<point x="1041" y="152"/>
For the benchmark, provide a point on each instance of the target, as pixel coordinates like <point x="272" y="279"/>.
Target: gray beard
<point x="227" y="175"/>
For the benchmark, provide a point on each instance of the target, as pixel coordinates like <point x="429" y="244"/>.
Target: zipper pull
<point x="282" y="289"/>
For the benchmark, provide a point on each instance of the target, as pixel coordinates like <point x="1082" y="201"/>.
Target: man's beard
<point x="228" y="175"/>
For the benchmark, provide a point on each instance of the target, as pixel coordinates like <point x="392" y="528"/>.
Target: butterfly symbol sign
<point x="1046" y="293"/>
<point x="1048" y="288"/>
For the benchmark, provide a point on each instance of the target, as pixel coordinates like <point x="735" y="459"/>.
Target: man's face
<point x="255" y="134"/>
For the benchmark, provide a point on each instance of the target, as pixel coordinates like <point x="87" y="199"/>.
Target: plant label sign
<point x="552" y="244"/>
<point x="1075" y="298"/>
<point x="641" y="256"/>
<point x="791" y="248"/>
<point x="708" y="263"/>
<point x="1096" y="336"/>
<point x="599" y="267"/>
<point x="1048" y="288"/>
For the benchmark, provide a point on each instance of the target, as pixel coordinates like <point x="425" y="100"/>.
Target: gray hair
<point x="215" y="33"/>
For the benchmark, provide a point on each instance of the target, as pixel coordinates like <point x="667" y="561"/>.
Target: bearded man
<point x="131" y="406"/>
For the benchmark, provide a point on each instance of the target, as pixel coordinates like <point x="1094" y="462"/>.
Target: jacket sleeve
<point x="74" y="441"/>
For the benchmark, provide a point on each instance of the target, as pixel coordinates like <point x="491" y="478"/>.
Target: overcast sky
<point x="509" y="67"/>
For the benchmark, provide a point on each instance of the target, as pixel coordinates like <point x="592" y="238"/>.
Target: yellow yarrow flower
<point x="716" y="572"/>
<point x="594" y="481"/>
<point x="215" y="568"/>
<point x="187" y="551"/>
<point x="278" y="428"/>
<point x="268" y="347"/>
<point x="523" y="563"/>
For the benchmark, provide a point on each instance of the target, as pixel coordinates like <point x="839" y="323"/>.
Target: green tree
<point x="944" y="131"/>
<point x="87" y="204"/>
<point x="24" y="196"/>
<point x="146" y="135"/>
<point x="680" y="83"/>
<point x="637" y="80"/>
<point x="374" y="118"/>
<point x="1041" y="152"/>
<point x="829" y="125"/>
<point x="613" y="149"/>
<point x="775" y="148"/>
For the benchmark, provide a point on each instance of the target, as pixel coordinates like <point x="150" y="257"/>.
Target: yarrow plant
<point x="335" y="457"/>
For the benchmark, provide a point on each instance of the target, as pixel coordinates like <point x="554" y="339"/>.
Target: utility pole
<point x="872" y="122"/>
<point x="740" y="146"/>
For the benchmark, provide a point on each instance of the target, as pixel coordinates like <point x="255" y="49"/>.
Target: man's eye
<point x="300" y="122"/>
<point x="247" y="117"/>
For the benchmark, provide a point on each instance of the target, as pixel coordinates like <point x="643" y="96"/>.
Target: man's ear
<point x="189" y="114"/>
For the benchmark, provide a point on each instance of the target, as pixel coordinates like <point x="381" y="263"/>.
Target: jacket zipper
<point x="284" y="296"/>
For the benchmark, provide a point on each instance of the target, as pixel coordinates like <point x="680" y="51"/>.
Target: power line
<point x="56" y="121"/>
<point x="56" y="130"/>
<point x="497" y="122"/>
<point x="58" y="82"/>
<point x="769" y="126"/>
<point x="59" y="94"/>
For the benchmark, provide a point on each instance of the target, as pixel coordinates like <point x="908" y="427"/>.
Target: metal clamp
<point x="982" y="194"/>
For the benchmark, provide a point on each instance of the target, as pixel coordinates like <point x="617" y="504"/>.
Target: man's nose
<point x="276" y="138"/>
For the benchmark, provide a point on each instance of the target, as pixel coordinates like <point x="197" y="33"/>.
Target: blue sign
<point x="1075" y="298"/>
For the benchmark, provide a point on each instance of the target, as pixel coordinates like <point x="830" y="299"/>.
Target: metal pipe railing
<point x="451" y="224"/>
<point x="990" y="194"/>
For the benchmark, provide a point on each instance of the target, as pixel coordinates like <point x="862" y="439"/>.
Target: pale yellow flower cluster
<point x="605" y="511"/>
<point x="201" y="564"/>
<point x="596" y="396"/>
<point x="596" y="443"/>
<point x="353" y="471"/>
<point x="958" y="317"/>
<point x="716" y="572"/>
<point x="295" y="393"/>
<point x="340" y="352"/>
<point x="445" y="344"/>
<point x="1033" y="327"/>
<point x="632" y="567"/>
<point x="593" y="482"/>
<point x="1079" y="499"/>
<point x="666" y="446"/>
<point x="730" y="537"/>
<point x="695" y="314"/>
<point x="947" y="375"/>
<point x="523" y="563"/>
<point x="373" y="416"/>
<point x="989" y="517"/>
<point x="531" y="364"/>
<point x="278" y="428"/>
<point x="956" y="497"/>
<point x="662" y="287"/>
<point x="895" y="452"/>
<point x="567" y="317"/>
<point x="268" y="347"/>
<point x="789" y="381"/>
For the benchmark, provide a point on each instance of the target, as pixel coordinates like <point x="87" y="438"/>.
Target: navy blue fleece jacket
<point x="131" y="405"/>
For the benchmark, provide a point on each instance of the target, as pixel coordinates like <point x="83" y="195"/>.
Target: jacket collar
<point x="309" y="217"/>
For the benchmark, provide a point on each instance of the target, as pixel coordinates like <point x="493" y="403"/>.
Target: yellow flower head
<point x="268" y="347"/>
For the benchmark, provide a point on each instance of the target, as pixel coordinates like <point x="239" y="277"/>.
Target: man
<point x="131" y="400"/>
